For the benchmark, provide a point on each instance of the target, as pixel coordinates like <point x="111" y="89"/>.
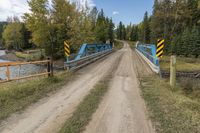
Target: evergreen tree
<point x="134" y="33"/>
<point x="93" y="15"/>
<point x="111" y="31"/>
<point x="120" y="31"/>
<point x="146" y="29"/>
<point x="124" y="33"/>
<point x="185" y="43"/>
<point x="101" y="28"/>
<point x="195" y="38"/>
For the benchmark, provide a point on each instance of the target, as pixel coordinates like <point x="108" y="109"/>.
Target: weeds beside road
<point x="183" y="64"/>
<point x="171" y="111"/>
<point x="83" y="114"/>
<point x="118" y="44"/>
<point x="15" y="96"/>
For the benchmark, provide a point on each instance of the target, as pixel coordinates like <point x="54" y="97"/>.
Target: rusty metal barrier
<point x="8" y="65"/>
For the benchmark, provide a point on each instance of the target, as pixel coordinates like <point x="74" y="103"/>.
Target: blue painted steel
<point x="89" y="49"/>
<point x="149" y="51"/>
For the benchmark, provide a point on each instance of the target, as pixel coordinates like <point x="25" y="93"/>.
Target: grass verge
<point x="171" y="111"/>
<point x="183" y="64"/>
<point x="15" y="96"/>
<point x="83" y="114"/>
<point x="132" y="44"/>
<point x="118" y="44"/>
<point x="33" y="56"/>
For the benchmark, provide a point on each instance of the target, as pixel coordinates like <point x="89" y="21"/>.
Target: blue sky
<point x="125" y="10"/>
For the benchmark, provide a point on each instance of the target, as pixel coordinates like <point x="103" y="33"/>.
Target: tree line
<point x="178" y="22"/>
<point x="50" y="25"/>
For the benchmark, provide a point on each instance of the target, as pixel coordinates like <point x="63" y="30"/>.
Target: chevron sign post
<point x="160" y="48"/>
<point x="67" y="48"/>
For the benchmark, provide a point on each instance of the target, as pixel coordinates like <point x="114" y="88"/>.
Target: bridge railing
<point x="148" y="52"/>
<point x="78" y="63"/>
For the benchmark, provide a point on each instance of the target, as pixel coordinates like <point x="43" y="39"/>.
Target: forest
<point x="48" y="26"/>
<point x="177" y="22"/>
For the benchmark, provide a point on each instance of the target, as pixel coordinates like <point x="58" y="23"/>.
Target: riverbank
<point x="10" y="57"/>
<point x="18" y="56"/>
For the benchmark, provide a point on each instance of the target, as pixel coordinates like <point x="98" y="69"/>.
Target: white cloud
<point x="19" y="7"/>
<point x="12" y="8"/>
<point x="115" y="12"/>
<point x="83" y="4"/>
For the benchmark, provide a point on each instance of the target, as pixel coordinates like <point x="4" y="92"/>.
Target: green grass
<point x="183" y="64"/>
<point x="118" y="45"/>
<point x="83" y="114"/>
<point x="132" y="44"/>
<point x="170" y="110"/>
<point x="15" y="96"/>
<point x="33" y="56"/>
<point x="191" y="87"/>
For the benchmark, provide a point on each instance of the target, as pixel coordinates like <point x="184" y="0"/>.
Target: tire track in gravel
<point x="123" y="110"/>
<point x="49" y="114"/>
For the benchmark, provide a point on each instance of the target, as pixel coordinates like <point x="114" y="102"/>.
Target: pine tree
<point x="176" y="47"/>
<point x="195" y="38"/>
<point x="101" y="28"/>
<point x="111" y="31"/>
<point x="146" y="29"/>
<point x="124" y="33"/>
<point x="119" y="31"/>
<point x="93" y="15"/>
<point x="185" y="43"/>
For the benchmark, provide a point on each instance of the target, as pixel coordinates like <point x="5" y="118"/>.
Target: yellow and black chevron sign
<point x="67" y="48"/>
<point x="160" y="48"/>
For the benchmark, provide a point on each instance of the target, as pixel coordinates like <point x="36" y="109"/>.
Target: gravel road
<point x="48" y="115"/>
<point x="123" y="109"/>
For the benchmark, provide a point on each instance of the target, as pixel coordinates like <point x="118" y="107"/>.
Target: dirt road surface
<point x="48" y="115"/>
<point x="123" y="109"/>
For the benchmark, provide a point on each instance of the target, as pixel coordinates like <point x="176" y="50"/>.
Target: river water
<point x="2" y="52"/>
<point x="17" y="71"/>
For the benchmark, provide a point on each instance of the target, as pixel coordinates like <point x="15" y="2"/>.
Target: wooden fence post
<point x="173" y="71"/>
<point x="8" y="72"/>
<point x="49" y="67"/>
<point x="51" y="64"/>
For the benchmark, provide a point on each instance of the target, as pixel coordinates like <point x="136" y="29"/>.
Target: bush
<point x="189" y="84"/>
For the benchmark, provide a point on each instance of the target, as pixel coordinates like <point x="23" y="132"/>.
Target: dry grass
<point x="118" y="45"/>
<point x="171" y="111"/>
<point x="183" y="64"/>
<point x="33" y="56"/>
<point x="15" y="96"/>
<point x="132" y="44"/>
<point x="86" y="108"/>
<point x="191" y="87"/>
